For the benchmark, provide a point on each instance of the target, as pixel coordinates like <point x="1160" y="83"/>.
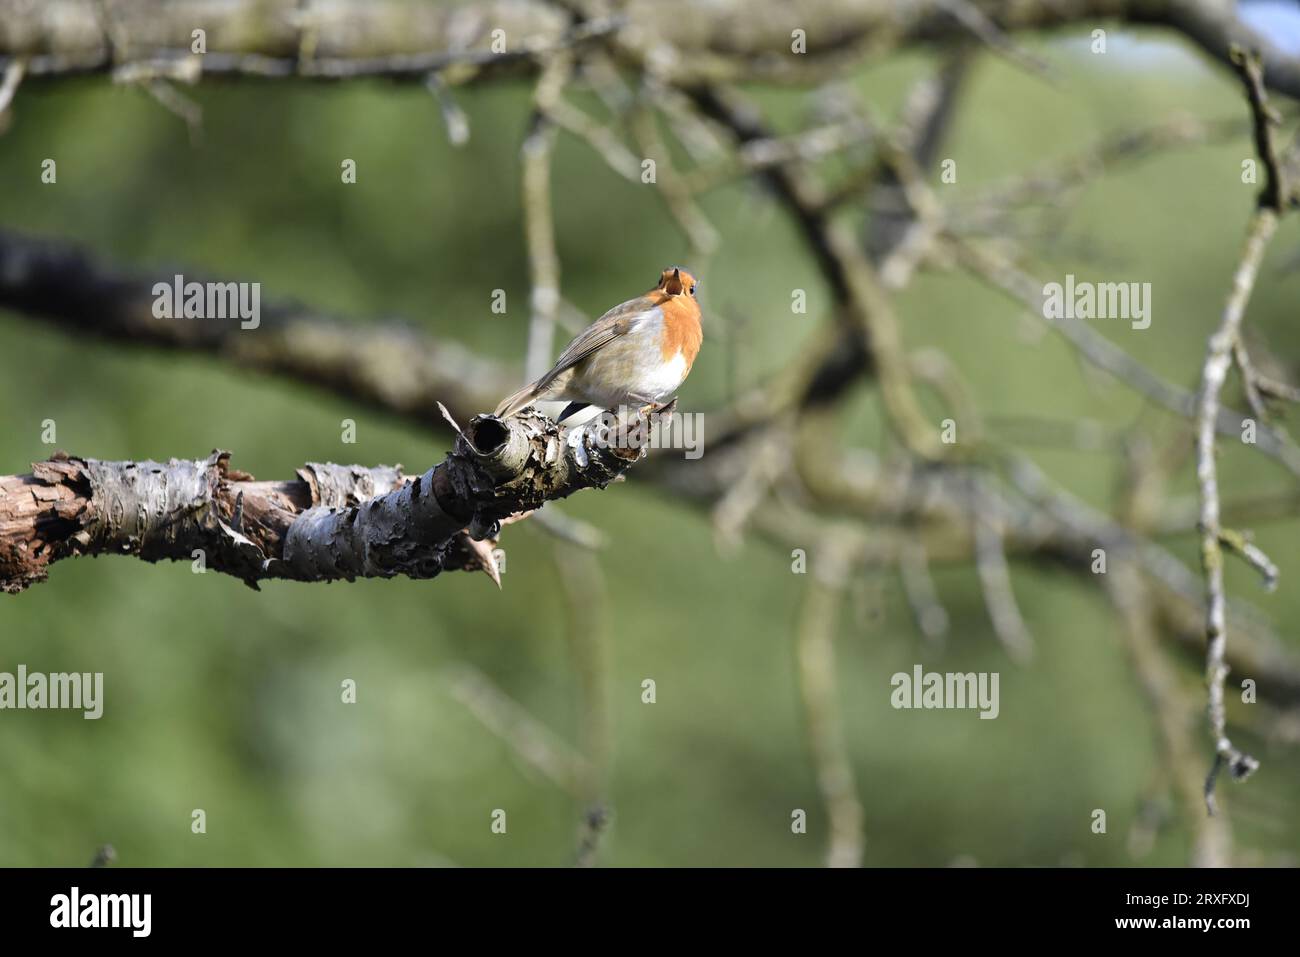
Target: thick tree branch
<point x="727" y="40"/>
<point x="334" y="522"/>
<point x="393" y="366"/>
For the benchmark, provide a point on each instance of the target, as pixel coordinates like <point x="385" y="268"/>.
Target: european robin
<point x="638" y="353"/>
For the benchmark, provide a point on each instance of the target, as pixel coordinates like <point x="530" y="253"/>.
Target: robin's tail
<point x="529" y="393"/>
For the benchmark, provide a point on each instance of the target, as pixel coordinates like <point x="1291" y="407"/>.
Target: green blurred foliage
<point x="226" y="699"/>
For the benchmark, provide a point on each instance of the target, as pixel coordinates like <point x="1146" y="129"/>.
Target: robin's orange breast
<point x="682" y="332"/>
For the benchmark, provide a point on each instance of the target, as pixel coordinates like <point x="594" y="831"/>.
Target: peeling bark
<point x="332" y="522"/>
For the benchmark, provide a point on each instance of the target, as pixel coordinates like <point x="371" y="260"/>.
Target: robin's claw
<point x="657" y="408"/>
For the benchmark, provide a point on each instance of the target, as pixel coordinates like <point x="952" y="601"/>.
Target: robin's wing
<point x="619" y="321"/>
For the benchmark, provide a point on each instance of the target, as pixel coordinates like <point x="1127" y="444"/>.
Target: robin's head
<point x="677" y="282"/>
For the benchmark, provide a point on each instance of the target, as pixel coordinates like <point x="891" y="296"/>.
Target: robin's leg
<point x="648" y="406"/>
<point x="651" y="407"/>
<point x="668" y="406"/>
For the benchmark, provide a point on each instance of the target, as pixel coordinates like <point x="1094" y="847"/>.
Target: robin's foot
<point x="645" y="404"/>
<point x="651" y="407"/>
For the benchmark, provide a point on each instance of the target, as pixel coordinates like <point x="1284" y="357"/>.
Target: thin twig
<point x="539" y="220"/>
<point x="674" y="189"/>
<point x="180" y="105"/>
<point x="1171" y="706"/>
<point x="1249" y="380"/>
<point x="1242" y="546"/>
<point x="1217" y="361"/>
<point x="995" y="576"/>
<point x="987" y="31"/>
<point x="603" y="141"/>
<point x="582" y="584"/>
<point x="528" y="738"/>
<point x="13" y="76"/>
<point x="817" y="679"/>
<point x="922" y="597"/>
<point x="453" y="117"/>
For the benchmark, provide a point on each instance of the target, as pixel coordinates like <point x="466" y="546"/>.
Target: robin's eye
<point x="692" y="289"/>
